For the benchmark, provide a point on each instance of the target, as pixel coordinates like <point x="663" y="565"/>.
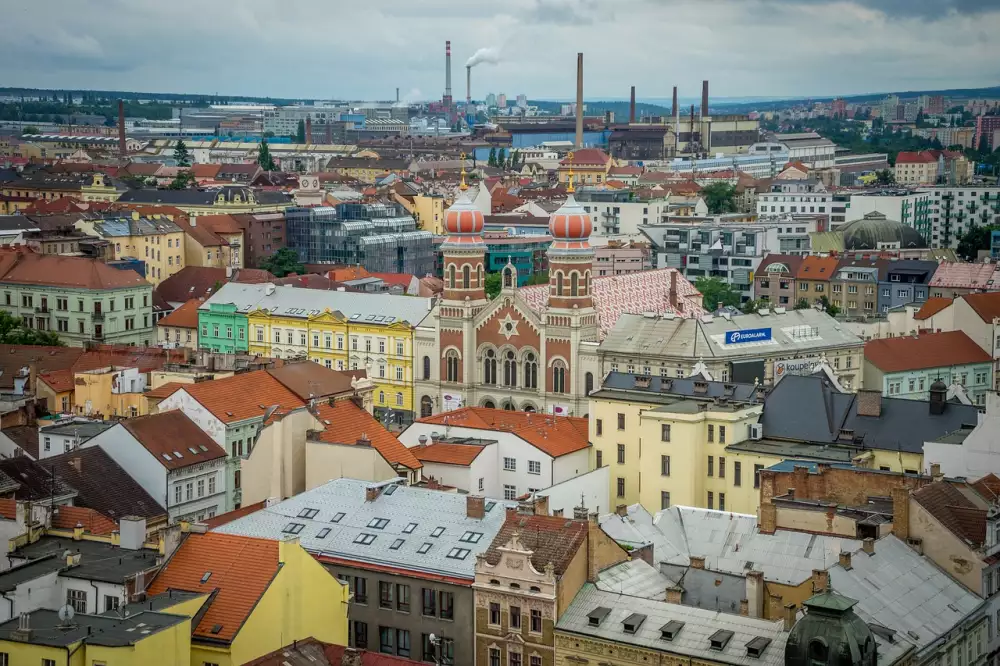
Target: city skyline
<point x="819" y="48"/>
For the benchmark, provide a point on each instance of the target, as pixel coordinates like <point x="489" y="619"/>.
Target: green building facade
<point x="222" y="328"/>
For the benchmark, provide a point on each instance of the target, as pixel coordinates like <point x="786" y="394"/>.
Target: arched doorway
<point x="508" y="406"/>
<point x="426" y="406"/>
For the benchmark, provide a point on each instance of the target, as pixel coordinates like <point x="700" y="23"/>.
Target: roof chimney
<point x="845" y="559"/>
<point x="868" y="545"/>
<point x="475" y="507"/>
<point x="372" y="493"/>
<point x="869" y="402"/>
<point x="672" y="294"/>
<point x="352" y="657"/>
<point x="789" y="616"/>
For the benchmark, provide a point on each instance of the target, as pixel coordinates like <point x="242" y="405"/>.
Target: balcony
<point x="98" y="315"/>
<point x="42" y="309"/>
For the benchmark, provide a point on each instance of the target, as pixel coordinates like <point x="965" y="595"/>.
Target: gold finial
<point x="464" y="186"/>
<point x="570" y="188"/>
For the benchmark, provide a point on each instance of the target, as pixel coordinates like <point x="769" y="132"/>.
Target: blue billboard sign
<point x="748" y="335"/>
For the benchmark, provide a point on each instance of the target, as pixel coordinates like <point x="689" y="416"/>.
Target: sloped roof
<point x="103" y="485"/>
<point x="954" y="510"/>
<point x="26" y="437"/>
<point x="962" y="275"/>
<point x="793" y="263"/>
<point x="241" y="569"/>
<point x="173" y="439"/>
<point x="586" y="157"/>
<point x="68" y="517"/>
<point x="448" y="454"/>
<point x="307" y="379"/>
<point x="164" y="390"/>
<point x="59" y="381"/>
<point x="927" y="350"/>
<point x="921" y="157"/>
<point x="35" y="481"/>
<point x="346" y="423"/>
<point x="243" y="396"/>
<point x="553" y="435"/>
<point x="988" y="487"/>
<point x="550" y="538"/>
<point x="62" y="271"/>
<point x="987" y="305"/>
<point x="222" y="518"/>
<point x="186" y="316"/>
<point x="817" y="268"/>
<point x="199" y="281"/>
<point x="635" y="293"/>
<point x="932" y="306"/>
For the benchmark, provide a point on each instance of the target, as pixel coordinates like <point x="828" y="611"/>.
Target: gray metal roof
<point x="99" y="561"/>
<point x="427" y="510"/>
<point x="793" y="332"/>
<point x="904" y="591"/>
<point x="691" y="641"/>
<point x="667" y="387"/>
<point x="48" y="629"/>
<point x="290" y="301"/>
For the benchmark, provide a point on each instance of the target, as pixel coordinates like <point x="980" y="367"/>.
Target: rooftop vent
<point x="720" y="639"/>
<point x="670" y="630"/>
<point x="756" y="646"/>
<point x="596" y="616"/>
<point x="633" y="622"/>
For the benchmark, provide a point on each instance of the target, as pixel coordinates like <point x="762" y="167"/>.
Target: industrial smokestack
<point x="468" y="85"/>
<point x="674" y="108"/>
<point x="447" y="71"/>
<point x="677" y="125"/>
<point x="631" y="108"/>
<point x="121" y="129"/>
<point x="309" y="129"/>
<point x="397" y="95"/>
<point x="579" y="101"/>
<point x="704" y="99"/>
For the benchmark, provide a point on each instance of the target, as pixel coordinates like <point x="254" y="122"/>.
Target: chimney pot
<point x="674" y="594"/>
<point x="697" y="562"/>
<point x="789" y="616"/>
<point x="372" y="493"/>
<point x="622" y="510"/>
<point x="744" y="607"/>
<point x="868" y="545"/>
<point x="475" y="507"/>
<point x="845" y="560"/>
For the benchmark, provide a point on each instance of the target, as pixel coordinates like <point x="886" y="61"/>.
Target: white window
<point x="509" y="465"/>
<point x="188" y="491"/>
<point x="509" y="492"/>
<point x="201" y="487"/>
<point x="534" y="467"/>
<point x="177" y="494"/>
<point x="481" y="480"/>
<point x="211" y="485"/>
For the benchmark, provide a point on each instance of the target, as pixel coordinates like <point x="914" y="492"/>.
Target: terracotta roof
<point x="205" y="170"/>
<point x="167" y="434"/>
<point x="346" y="423"/>
<point x="103" y="485"/>
<point x="8" y="508"/>
<point x="186" y="316"/>
<point x="243" y="396"/>
<point x="145" y="359"/>
<point x="307" y="379"/>
<point x="962" y="275"/>
<point x="635" y="293"/>
<point x="625" y="171"/>
<point x="932" y="306"/>
<point x="796" y="165"/>
<point x="45" y="359"/>
<point x="792" y="261"/>
<point x="553" y="435"/>
<point x="987" y="305"/>
<point x="60" y="381"/>
<point x="345" y="273"/>
<point x="202" y="234"/>
<point x="22" y="267"/>
<point x="988" y="487"/>
<point x="817" y="268"/>
<point x="928" y="350"/>
<point x="35" y="481"/>
<point x="164" y="390"/>
<point x="221" y="519"/>
<point x="26" y="438"/>
<point x="400" y="279"/>
<point x="953" y="510"/>
<point x="922" y="157"/>
<point x="550" y="538"/>
<point x="448" y="454"/>
<point x="311" y="652"/>
<point x="68" y="517"/>
<point x="199" y="281"/>
<point x="241" y="568"/>
<point x="586" y="157"/>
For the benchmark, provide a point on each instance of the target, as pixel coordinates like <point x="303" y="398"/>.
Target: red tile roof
<point x="243" y="396"/>
<point x="165" y="390"/>
<point x="586" y="157"/>
<point x="223" y="518"/>
<point x="553" y="435"/>
<point x="199" y="281"/>
<point x="817" y="268"/>
<point x="448" y="454"/>
<point x="928" y="350"/>
<point x="311" y="652"/>
<point x="988" y="487"/>
<point x="186" y="316"/>
<point x="987" y="305"/>
<point x="205" y="170"/>
<point x="241" y="568"/>
<point x="59" y="381"/>
<point x="922" y="157"/>
<point x="68" y="517"/>
<point x="792" y="261"/>
<point x="959" y="274"/>
<point x="550" y="538"/>
<point x="345" y="273"/>
<point x="24" y="267"/>
<point x="167" y="434"/>
<point x="932" y="306"/>
<point x="346" y="423"/>
<point x="954" y="510"/>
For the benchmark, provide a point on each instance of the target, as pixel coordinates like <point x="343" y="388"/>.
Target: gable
<point x="508" y="323"/>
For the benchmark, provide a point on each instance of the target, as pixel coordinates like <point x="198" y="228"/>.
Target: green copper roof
<point x="830" y="602"/>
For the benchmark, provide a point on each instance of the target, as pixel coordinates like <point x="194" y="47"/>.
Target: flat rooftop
<point x="106" y="630"/>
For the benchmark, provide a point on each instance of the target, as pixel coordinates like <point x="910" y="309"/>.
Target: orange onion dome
<point x="570" y="222"/>
<point x="463" y="218"/>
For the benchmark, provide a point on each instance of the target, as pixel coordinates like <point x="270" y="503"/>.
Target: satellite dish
<point x="66" y="613"/>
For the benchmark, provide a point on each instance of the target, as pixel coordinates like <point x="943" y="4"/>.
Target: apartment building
<point x="955" y="210"/>
<point x="155" y="240"/>
<point x="620" y="212"/>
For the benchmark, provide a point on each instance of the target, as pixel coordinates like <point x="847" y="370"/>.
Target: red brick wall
<point x="526" y="336"/>
<point x="843" y="486"/>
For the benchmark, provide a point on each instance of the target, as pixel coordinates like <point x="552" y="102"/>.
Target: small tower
<point x="830" y="634"/>
<point x="571" y="258"/>
<point x="463" y="251"/>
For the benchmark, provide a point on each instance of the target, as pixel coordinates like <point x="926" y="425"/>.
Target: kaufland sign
<point x="749" y="335"/>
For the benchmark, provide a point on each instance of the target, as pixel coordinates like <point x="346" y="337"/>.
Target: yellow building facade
<point x="334" y="340"/>
<point x="155" y="240"/>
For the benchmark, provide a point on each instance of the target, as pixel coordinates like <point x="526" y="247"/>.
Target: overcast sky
<point x="357" y="50"/>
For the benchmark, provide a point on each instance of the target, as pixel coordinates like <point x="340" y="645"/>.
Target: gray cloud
<point x="927" y="9"/>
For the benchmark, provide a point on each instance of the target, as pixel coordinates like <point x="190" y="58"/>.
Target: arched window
<point x="818" y="651"/>
<point x="508" y="277"/>
<point x="588" y="383"/>
<point x="479" y="274"/>
<point x="426" y="406"/>
<point x="559" y="284"/>
<point x="451" y="276"/>
<point x="489" y="404"/>
<point x="574" y="284"/>
<point x="530" y="371"/>
<point x="467" y="276"/>
<point x="530" y="409"/>
<point x="399" y="399"/>
<point x="381" y="397"/>
<point x="586" y="283"/>
<point x="490" y="367"/>
<point x="451" y="365"/>
<point x="508" y="406"/>
<point x="427" y="367"/>
<point x="509" y="369"/>
<point x="558" y="377"/>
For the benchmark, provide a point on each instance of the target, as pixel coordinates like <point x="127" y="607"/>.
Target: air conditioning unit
<point x="756" y="430"/>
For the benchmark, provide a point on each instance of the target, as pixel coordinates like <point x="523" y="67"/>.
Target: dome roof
<point x="570" y="222"/>
<point x="463" y="218"/>
<point x="830" y="634"/>
<point x="874" y="231"/>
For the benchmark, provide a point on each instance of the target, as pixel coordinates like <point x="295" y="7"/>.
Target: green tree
<point x="714" y="291"/>
<point x="283" y="262"/>
<point x="30" y="129"/>
<point x="264" y="158"/>
<point x="802" y="304"/>
<point x="885" y="177"/>
<point x="12" y="332"/>
<point x="720" y="197"/>
<point x="181" y="154"/>
<point x="829" y="307"/>
<point x="182" y="181"/>
<point x="501" y="159"/>
<point x="493" y="285"/>
<point x="975" y="239"/>
<point x="300" y="133"/>
<point x="492" y="161"/>
<point x="752" y="306"/>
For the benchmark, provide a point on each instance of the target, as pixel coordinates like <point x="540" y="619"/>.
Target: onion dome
<point x="570" y="222"/>
<point x="464" y="222"/>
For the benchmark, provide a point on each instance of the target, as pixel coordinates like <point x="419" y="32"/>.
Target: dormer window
<point x="633" y="622"/>
<point x="719" y="640"/>
<point x="596" y="616"/>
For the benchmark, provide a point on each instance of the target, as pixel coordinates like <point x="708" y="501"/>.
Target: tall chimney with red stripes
<point x="122" y="152"/>
<point x="631" y="108"/>
<point x="309" y="129"/>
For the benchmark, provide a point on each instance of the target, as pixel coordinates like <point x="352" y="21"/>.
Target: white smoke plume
<point x="488" y="54"/>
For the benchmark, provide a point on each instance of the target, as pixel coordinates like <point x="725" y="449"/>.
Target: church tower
<point x="571" y="258"/>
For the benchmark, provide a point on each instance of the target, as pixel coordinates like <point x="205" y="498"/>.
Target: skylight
<point x="338" y="517"/>
<point x="390" y="490"/>
<point x="293" y="528"/>
<point x="193" y="451"/>
<point x="458" y="553"/>
<point x="203" y="448"/>
<point x="409" y="528"/>
<point x="177" y="454"/>
<point x="323" y="533"/>
<point x="166" y="456"/>
<point x="396" y="544"/>
<point x="438" y="531"/>
<point x="308" y="513"/>
<point x="719" y="640"/>
<point x="489" y="506"/>
<point x="206" y="576"/>
<point x="364" y="538"/>
<point x="378" y="523"/>
<point x="424" y="547"/>
<point x="471" y="537"/>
